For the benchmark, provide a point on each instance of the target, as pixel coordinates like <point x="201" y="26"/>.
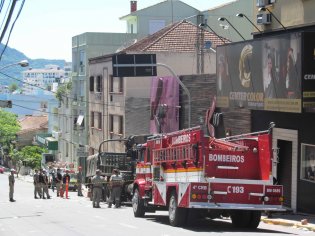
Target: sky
<point x="45" y="28"/>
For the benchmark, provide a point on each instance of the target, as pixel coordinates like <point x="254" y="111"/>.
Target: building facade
<point x="229" y="11"/>
<point x="125" y="106"/>
<point x="149" y="20"/>
<point x="272" y="76"/>
<point x="39" y="81"/>
<point x="89" y="45"/>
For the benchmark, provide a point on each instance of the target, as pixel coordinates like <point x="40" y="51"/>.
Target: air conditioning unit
<point x="263" y="3"/>
<point x="263" y="19"/>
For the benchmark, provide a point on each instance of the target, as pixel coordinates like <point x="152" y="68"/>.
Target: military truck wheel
<point x="240" y="218"/>
<point x="254" y="219"/>
<point x="177" y="215"/>
<point x="138" y="204"/>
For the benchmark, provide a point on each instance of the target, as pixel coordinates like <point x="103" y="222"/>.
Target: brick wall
<point x="202" y="90"/>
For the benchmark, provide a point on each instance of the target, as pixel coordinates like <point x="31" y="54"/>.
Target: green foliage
<point x="9" y="126"/>
<point x="13" y="87"/>
<point x="63" y="90"/>
<point x="30" y="155"/>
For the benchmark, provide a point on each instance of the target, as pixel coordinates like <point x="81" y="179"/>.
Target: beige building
<point x="121" y="106"/>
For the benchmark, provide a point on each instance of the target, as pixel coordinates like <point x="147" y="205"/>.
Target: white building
<point x="39" y="81"/>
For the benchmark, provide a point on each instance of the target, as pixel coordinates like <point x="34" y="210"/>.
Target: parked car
<point x="2" y="169"/>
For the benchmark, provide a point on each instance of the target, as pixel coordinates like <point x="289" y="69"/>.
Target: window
<point x="82" y="88"/>
<point x="121" y="125"/>
<point x="82" y="62"/>
<point x="92" y="119"/>
<point x="111" y="84"/>
<point x="80" y="121"/>
<point x="308" y="162"/>
<point x="91" y="84"/>
<point x="74" y="61"/>
<point x="121" y="84"/>
<point x="156" y="25"/>
<point x="111" y="123"/>
<point x="43" y="105"/>
<point x="99" y="84"/>
<point x="100" y="120"/>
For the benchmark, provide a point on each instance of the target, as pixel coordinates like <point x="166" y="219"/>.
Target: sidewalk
<point x="296" y="220"/>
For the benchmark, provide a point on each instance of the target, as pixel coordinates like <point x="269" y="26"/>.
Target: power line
<point x="8" y="20"/>
<point x="68" y="97"/>
<point x="17" y="16"/>
<point x="6" y="12"/>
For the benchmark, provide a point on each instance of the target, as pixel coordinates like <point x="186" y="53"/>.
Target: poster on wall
<point x="261" y="74"/>
<point x="308" y="162"/>
<point x="308" y="72"/>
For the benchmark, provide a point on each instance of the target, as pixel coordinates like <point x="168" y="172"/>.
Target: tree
<point x="17" y="159"/>
<point x="9" y="126"/>
<point x="33" y="155"/>
<point x="13" y="87"/>
<point x="62" y="91"/>
<point x="29" y="156"/>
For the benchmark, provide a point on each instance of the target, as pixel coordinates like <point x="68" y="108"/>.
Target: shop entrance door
<point x="284" y="169"/>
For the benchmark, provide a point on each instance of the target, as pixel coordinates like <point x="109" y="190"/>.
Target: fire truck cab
<point x="192" y="175"/>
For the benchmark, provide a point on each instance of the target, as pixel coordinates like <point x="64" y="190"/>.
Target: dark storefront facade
<point x="274" y="77"/>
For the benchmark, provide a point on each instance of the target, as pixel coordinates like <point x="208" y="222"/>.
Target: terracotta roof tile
<point x="33" y="122"/>
<point x="178" y="37"/>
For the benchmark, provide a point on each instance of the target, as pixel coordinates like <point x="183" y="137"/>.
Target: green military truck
<point x="106" y="162"/>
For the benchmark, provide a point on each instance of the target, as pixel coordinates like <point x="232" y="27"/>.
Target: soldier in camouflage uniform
<point x="37" y="185"/>
<point x="79" y="182"/>
<point x="11" y="185"/>
<point x="58" y="181"/>
<point x="97" y="183"/>
<point x="45" y="185"/>
<point x="116" y="183"/>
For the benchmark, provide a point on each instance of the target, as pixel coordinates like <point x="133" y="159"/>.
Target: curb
<point x="288" y="223"/>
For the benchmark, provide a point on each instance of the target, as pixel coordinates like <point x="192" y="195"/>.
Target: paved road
<point x="75" y="216"/>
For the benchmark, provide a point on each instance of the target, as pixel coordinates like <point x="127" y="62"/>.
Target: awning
<point x="80" y="120"/>
<point x="51" y="143"/>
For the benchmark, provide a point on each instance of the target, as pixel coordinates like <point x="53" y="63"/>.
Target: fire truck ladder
<point x="173" y="154"/>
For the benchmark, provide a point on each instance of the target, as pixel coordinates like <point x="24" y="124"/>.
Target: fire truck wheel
<point x="177" y="215"/>
<point x="137" y="204"/>
<point x="241" y="219"/>
<point x="254" y="219"/>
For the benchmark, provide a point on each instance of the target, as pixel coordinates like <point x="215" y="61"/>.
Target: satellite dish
<point x="208" y="44"/>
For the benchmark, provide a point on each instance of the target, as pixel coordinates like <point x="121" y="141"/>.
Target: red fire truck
<point x="192" y="175"/>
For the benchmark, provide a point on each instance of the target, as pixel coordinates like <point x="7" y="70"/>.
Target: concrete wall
<point x="229" y="11"/>
<point x="168" y="11"/>
<point x="291" y="13"/>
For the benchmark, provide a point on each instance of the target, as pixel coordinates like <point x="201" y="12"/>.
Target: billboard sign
<point x="133" y="65"/>
<point x="261" y="74"/>
<point x="308" y="72"/>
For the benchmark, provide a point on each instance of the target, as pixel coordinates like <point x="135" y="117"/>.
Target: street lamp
<point x="224" y="19"/>
<point x="242" y="15"/>
<point x="205" y="24"/>
<point x="266" y="9"/>
<point x="23" y="63"/>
